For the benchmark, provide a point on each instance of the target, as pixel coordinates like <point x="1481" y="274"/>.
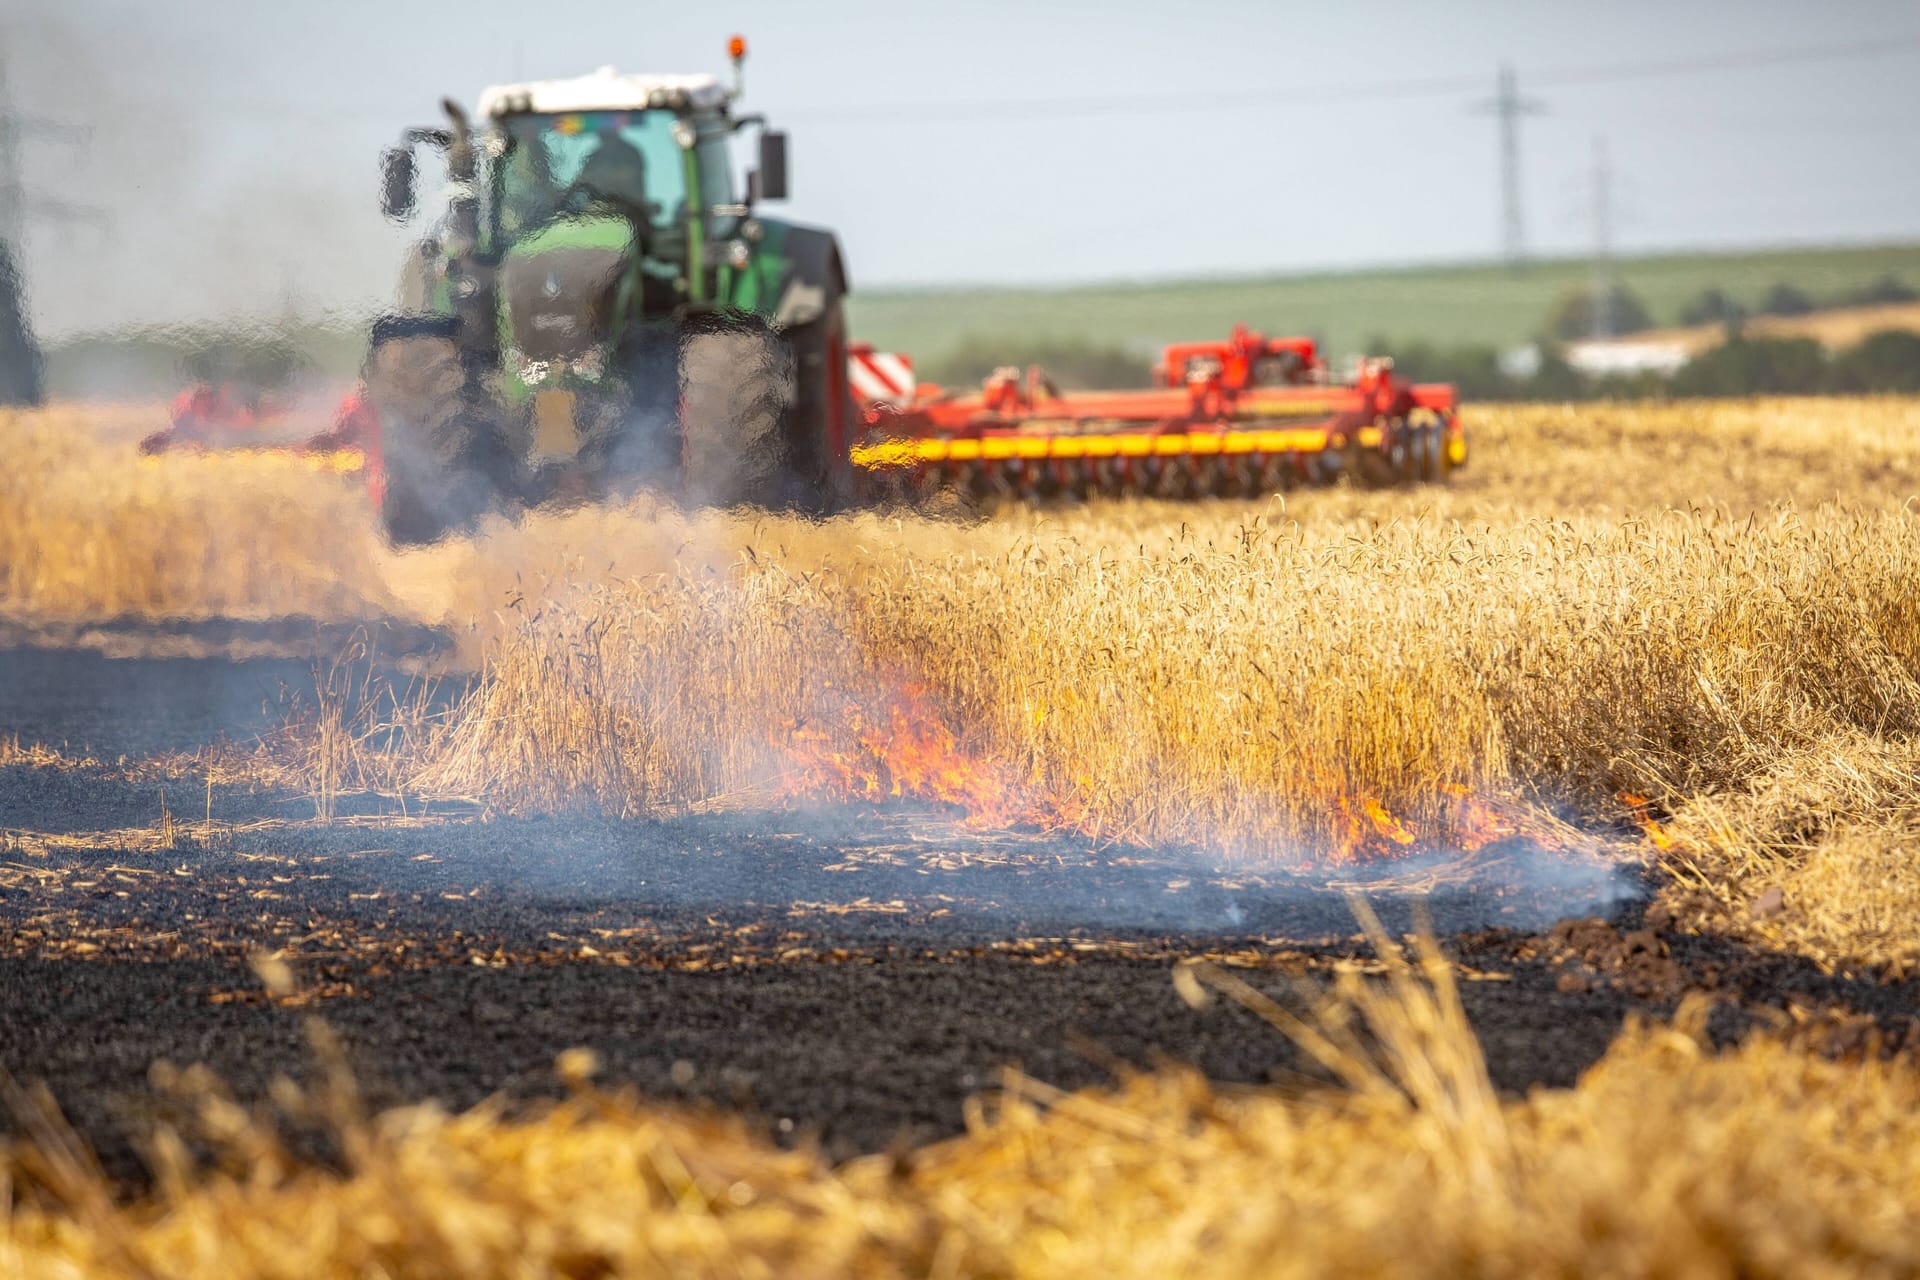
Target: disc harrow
<point x="1239" y="418"/>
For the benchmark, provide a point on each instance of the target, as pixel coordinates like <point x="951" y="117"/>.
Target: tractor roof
<point x="604" y="90"/>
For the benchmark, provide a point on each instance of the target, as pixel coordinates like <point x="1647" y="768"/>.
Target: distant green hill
<point x="1455" y="304"/>
<point x="1479" y="303"/>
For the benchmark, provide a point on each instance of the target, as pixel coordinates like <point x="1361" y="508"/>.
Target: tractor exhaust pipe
<point x="463" y="209"/>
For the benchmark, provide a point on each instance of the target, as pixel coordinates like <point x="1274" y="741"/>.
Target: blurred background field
<point x="953" y="332"/>
<point x="1475" y="303"/>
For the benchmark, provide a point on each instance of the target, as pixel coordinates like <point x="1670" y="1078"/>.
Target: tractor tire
<point x="823" y="425"/>
<point x="444" y="459"/>
<point x="736" y="397"/>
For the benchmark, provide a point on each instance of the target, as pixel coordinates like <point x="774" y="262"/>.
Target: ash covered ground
<point x="849" y="973"/>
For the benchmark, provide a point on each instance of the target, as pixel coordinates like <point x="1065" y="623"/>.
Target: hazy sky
<point x="234" y="142"/>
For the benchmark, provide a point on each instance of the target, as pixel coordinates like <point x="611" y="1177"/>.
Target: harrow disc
<point x="1429" y="466"/>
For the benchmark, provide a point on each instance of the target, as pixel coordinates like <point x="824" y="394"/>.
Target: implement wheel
<point x="1427" y="448"/>
<point x="1384" y="465"/>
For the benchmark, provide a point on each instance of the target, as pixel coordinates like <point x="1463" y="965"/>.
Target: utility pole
<point x="1600" y="293"/>
<point x="17" y="202"/>
<point x="1508" y="107"/>
<point x="20" y="362"/>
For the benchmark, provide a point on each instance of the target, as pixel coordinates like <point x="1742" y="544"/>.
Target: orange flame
<point x="1637" y="806"/>
<point x="908" y="752"/>
<point x="913" y="755"/>
<point x="1367" y="831"/>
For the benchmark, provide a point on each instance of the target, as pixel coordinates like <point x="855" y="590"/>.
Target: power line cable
<point x="1350" y="92"/>
<point x="1340" y="94"/>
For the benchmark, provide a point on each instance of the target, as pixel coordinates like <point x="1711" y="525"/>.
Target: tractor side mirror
<point x="773" y="165"/>
<point x="397" y="182"/>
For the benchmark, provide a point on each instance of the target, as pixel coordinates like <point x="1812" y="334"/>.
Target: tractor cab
<point x="651" y="150"/>
<point x="579" y="207"/>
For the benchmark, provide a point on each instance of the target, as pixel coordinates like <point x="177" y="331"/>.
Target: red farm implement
<point x="1235" y="418"/>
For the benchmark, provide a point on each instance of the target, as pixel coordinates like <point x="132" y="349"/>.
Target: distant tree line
<point x="1573" y="317"/>
<point x="265" y="357"/>
<point x="1072" y="364"/>
<point x="1888" y="361"/>
<point x="1716" y="306"/>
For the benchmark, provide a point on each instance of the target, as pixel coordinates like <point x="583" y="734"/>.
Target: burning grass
<point x="1269" y="690"/>
<point x="1665" y="1159"/>
<point x="1612" y="599"/>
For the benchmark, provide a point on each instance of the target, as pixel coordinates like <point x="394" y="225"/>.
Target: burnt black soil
<point x="848" y="972"/>
<point x="100" y="700"/>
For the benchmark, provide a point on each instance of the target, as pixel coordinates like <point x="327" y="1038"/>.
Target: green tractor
<point x="602" y="308"/>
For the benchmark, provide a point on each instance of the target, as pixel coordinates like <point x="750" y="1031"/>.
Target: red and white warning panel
<point x="879" y="377"/>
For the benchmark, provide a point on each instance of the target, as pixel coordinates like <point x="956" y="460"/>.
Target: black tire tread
<point x="736" y="392"/>
<point x="443" y="457"/>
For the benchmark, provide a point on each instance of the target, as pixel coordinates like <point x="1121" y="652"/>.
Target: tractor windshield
<point x="553" y="165"/>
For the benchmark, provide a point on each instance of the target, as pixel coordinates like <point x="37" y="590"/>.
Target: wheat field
<point x="1711" y="606"/>
<point x="1708" y="605"/>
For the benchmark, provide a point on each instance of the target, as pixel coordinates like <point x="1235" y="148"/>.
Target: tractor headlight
<point x="739" y="255"/>
<point x="532" y="372"/>
<point x="590" y="363"/>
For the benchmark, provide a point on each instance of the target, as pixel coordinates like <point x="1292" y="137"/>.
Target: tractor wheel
<point x="823" y="424"/>
<point x="442" y="454"/>
<point x="736" y="392"/>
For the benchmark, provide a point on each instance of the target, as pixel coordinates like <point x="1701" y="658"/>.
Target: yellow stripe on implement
<point x="1255" y="405"/>
<point x="1132" y="444"/>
